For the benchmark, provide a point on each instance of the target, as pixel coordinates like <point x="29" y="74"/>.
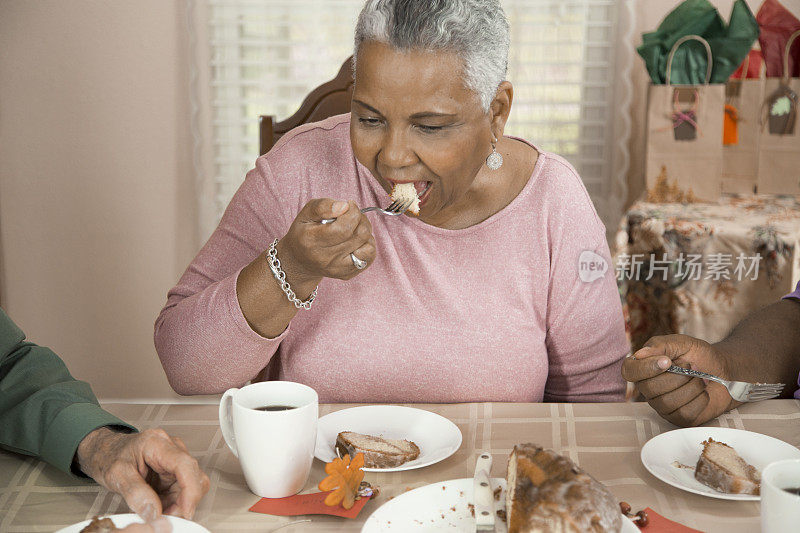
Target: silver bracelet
<point x="275" y="266"/>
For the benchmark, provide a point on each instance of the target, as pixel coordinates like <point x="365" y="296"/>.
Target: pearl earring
<point x="494" y="160"/>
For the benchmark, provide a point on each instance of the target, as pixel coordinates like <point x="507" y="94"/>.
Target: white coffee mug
<point x="780" y="509"/>
<point x="275" y="447"/>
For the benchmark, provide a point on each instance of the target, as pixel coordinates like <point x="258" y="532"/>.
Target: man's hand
<point x="152" y="471"/>
<point x="682" y="400"/>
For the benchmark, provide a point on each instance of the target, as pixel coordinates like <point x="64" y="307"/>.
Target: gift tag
<point x="684" y="113"/>
<point x="730" y="131"/>
<point x="782" y="111"/>
<point x="684" y="124"/>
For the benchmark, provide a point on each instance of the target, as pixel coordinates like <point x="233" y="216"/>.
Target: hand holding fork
<point x="310" y="251"/>
<point x="656" y="372"/>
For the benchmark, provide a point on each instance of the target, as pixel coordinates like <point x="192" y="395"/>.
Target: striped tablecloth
<point x="605" y="439"/>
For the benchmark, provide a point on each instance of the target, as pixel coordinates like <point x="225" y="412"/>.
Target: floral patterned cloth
<point x="699" y="268"/>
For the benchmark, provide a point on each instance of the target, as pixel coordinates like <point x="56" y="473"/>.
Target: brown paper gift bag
<point x="740" y="158"/>
<point x="779" y="147"/>
<point x="684" y="132"/>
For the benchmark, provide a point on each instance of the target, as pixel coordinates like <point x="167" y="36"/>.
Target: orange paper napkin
<point x="658" y="524"/>
<point x="306" y="504"/>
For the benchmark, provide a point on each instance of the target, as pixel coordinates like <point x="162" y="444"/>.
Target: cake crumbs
<point x="497" y="494"/>
<point x="471" y="509"/>
<point x="501" y="514"/>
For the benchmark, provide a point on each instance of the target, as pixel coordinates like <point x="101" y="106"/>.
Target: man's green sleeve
<point x="44" y="411"/>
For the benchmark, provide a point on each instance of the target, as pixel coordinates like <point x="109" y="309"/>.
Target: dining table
<point x="605" y="439"/>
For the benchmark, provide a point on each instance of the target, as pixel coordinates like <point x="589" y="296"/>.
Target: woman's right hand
<point x="308" y="252"/>
<point x="311" y="250"/>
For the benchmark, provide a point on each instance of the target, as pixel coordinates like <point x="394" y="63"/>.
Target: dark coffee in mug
<point x="276" y="408"/>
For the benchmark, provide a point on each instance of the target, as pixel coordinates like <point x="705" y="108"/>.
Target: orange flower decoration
<point x="345" y="477"/>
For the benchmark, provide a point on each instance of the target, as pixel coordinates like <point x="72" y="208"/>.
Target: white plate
<point x="437" y="437"/>
<point x="179" y="525"/>
<point x="441" y="507"/>
<point x="683" y="446"/>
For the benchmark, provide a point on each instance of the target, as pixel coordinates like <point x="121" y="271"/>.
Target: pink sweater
<point x="493" y="312"/>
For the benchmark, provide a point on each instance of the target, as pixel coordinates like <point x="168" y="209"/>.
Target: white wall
<point x="96" y="202"/>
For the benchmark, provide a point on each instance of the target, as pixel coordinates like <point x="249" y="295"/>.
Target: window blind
<point x="266" y="55"/>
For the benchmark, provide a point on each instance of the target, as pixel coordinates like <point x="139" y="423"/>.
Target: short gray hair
<point x="476" y="30"/>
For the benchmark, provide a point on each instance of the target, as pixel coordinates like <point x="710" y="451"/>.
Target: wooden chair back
<point x="329" y="99"/>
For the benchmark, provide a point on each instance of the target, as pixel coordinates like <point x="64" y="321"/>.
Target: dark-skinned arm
<point x="765" y="346"/>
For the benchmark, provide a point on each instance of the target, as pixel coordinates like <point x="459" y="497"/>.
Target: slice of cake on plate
<point x="721" y="468"/>
<point x="378" y="452"/>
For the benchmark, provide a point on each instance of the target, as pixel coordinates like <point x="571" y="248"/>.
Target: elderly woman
<point x="479" y="298"/>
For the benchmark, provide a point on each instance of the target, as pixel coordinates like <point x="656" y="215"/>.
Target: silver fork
<point x="395" y="208"/>
<point x="741" y="391"/>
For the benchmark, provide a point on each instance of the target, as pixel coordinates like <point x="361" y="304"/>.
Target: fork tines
<point x="392" y="206"/>
<point x="765" y="391"/>
<point x="399" y="206"/>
